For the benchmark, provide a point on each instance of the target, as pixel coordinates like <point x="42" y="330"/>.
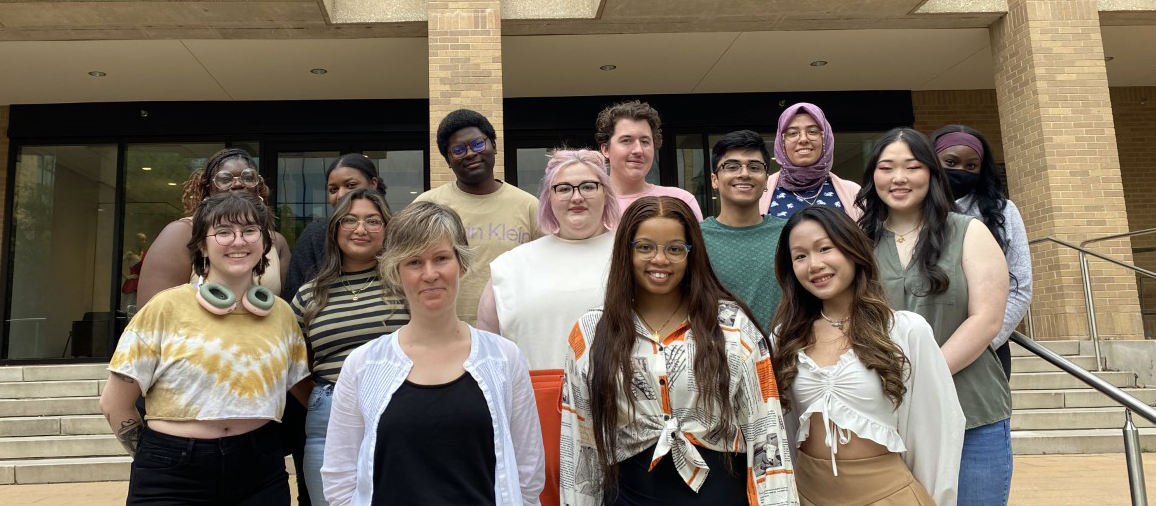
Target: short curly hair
<point x="460" y="119"/>
<point x="634" y="110"/>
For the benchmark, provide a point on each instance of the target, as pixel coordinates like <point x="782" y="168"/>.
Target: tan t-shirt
<point x="495" y="224"/>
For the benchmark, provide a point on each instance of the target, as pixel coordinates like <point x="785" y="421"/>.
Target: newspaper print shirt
<point x="668" y="416"/>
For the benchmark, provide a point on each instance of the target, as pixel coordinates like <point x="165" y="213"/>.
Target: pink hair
<point x="562" y="158"/>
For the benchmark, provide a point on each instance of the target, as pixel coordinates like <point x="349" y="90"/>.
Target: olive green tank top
<point x="982" y="387"/>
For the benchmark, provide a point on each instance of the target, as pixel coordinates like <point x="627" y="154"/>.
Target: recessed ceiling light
<point x="319" y="71"/>
<point x="608" y="68"/>
<point x="413" y="193"/>
<point x="1109" y="58"/>
<point x="97" y="73"/>
<point x="172" y="184"/>
<point x="146" y="168"/>
<point x="818" y="63"/>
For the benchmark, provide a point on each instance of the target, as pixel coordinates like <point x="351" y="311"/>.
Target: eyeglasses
<point x="585" y="188"/>
<point x="227" y="236"/>
<point x="372" y="225"/>
<point x="225" y="180"/>
<point x="813" y="133"/>
<point x="675" y="252"/>
<point x="477" y="146"/>
<point x="754" y="167"/>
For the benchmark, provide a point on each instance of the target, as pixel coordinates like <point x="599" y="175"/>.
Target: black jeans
<point x="244" y="470"/>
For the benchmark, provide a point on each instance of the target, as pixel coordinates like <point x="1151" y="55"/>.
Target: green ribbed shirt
<point x="743" y="258"/>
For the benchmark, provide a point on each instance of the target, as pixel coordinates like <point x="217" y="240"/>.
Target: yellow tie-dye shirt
<point x="194" y="365"/>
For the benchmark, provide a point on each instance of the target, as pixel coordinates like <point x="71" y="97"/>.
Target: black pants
<point x="244" y="470"/>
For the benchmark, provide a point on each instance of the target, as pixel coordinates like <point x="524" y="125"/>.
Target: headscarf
<point x="958" y="139"/>
<point x="795" y="178"/>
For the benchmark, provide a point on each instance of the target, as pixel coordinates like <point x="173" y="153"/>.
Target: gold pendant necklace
<point x="899" y="237"/>
<point x="356" y="291"/>
<point x="653" y="331"/>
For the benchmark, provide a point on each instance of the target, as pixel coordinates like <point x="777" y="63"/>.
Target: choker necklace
<point x="653" y="331"/>
<point x="356" y="291"/>
<point x="835" y="323"/>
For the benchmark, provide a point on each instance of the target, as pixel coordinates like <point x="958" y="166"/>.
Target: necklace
<point x="899" y="238"/>
<point x="813" y="199"/>
<point x="654" y="331"/>
<point x="356" y="291"/>
<point x="835" y="323"/>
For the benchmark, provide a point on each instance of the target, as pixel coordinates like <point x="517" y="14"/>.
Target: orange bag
<point x="548" y="394"/>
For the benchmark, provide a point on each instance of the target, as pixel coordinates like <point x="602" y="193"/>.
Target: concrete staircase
<point x="51" y="429"/>
<point x="1056" y="413"/>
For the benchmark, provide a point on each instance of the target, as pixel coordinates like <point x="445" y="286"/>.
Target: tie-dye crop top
<point x="194" y="365"/>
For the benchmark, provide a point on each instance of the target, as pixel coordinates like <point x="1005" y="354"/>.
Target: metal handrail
<point x="1119" y="236"/>
<point x="1131" y="405"/>
<point x="1089" y="304"/>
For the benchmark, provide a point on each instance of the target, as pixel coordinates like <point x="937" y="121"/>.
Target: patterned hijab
<point x="795" y="178"/>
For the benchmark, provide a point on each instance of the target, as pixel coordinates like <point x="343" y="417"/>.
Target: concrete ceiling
<point x="553" y="65"/>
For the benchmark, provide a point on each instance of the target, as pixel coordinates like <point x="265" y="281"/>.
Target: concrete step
<point x="1076" y="418"/>
<point x="33" y="447"/>
<point x="43" y="389"/>
<point x="1062" y="347"/>
<point x="1080" y="398"/>
<point x="1037" y="364"/>
<point x="19" y="426"/>
<point x="50" y="406"/>
<point x="1040" y="442"/>
<point x="1063" y="380"/>
<point x="73" y="470"/>
<point x="64" y="372"/>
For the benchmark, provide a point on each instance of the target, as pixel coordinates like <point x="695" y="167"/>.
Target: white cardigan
<point x="373" y="372"/>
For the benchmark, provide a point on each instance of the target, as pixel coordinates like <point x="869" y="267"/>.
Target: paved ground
<point x="1039" y="480"/>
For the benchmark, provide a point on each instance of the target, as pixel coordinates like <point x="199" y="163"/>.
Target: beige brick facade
<point x="974" y="108"/>
<point x="1135" y="116"/>
<point x="465" y="71"/>
<point x="1059" y="144"/>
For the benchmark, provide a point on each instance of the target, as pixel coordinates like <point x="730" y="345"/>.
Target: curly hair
<point x="200" y="183"/>
<point x="870" y="316"/>
<point x="633" y="110"/>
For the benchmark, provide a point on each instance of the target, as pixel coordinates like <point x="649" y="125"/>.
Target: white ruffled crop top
<point x="848" y="395"/>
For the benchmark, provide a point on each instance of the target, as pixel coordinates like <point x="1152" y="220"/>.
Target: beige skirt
<point x="876" y="481"/>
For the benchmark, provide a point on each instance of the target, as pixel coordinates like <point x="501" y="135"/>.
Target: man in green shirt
<point x="741" y="241"/>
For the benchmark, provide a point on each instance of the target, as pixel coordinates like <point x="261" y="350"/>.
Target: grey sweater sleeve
<point x="1019" y="263"/>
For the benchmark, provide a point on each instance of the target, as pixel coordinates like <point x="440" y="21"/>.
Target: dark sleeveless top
<point x="982" y="386"/>
<point x="638" y="485"/>
<point x="435" y="445"/>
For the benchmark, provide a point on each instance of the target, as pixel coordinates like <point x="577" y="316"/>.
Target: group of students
<point x="817" y="343"/>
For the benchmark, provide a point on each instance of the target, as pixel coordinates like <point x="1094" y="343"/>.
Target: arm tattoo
<point x="129" y="434"/>
<point x="123" y="378"/>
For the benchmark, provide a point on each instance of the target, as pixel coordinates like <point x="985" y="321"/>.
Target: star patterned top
<point x="785" y="202"/>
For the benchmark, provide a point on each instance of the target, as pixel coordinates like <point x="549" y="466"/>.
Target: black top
<point x="662" y="486"/>
<point x="307" y="253"/>
<point x="435" y="446"/>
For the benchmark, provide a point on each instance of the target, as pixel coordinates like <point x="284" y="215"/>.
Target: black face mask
<point x="962" y="182"/>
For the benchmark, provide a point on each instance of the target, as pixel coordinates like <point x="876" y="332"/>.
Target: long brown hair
<point x="330" y="268"/>
<point x="614" y="336"/>
<point x="870" y="316"/>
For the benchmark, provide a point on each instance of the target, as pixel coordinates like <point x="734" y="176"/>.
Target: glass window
<point x="62" y="249"/>
<point x="154" y="179"/>
<point x="301" y="194"/>
<point x="692" y="175"/>
<point x="531" y="168"/>
<point x="403" y="172"/>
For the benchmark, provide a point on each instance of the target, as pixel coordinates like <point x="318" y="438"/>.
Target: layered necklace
<point x="356" y="291"/>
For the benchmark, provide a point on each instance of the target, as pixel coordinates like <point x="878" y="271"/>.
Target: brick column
<point x="1063" y="167"/>
<point x="465" y="71"/>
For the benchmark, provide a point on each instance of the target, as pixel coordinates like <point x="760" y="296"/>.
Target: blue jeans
<point x="316" y="423"/>
<point x="985" y="469"/>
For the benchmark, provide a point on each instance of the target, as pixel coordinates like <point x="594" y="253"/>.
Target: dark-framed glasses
<point x="373" y="224"/>
<point x="813" y="133"/>
<point x="476" y="145"/>
<point x="227" y="236"/>
<point x="646" y="249"/>
<point x="225" y="180"/>
<point x="754" y="167"/>
<point x="587" y="189"/>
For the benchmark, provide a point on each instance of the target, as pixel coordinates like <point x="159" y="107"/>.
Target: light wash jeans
<point x="316" y="423"/>
<point x="985" y="469"/>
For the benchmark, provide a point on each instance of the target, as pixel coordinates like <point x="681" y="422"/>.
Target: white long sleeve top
<point x="371" y="375"/>
<point x="927" y="428"/>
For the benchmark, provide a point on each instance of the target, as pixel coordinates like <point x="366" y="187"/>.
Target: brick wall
<point x="1135" y="116"/>
<point x="465" y="71"/>
<point x="1063" y="168"/>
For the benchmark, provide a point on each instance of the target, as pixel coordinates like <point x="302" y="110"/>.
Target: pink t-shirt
<point x="624" y="201"/>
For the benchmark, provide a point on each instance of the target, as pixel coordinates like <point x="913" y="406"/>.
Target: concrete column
<point x="1063" y="168"/>
<point x="465" y="71"/>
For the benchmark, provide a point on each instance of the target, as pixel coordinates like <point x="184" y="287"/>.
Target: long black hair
<point x="935" y="207"/>
<point x="990" y="198"/>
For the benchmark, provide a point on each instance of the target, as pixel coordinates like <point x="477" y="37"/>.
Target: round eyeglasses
<point x="675" y="252"/>
<point x="477" y="145"/>
<point x="227" y="236"/>
<point x="372" y="225"/>
<point x="813" y="133"/>
<point x="226" y="180"/>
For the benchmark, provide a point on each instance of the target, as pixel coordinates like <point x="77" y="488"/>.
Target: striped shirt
<point x="357" y="312"/>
